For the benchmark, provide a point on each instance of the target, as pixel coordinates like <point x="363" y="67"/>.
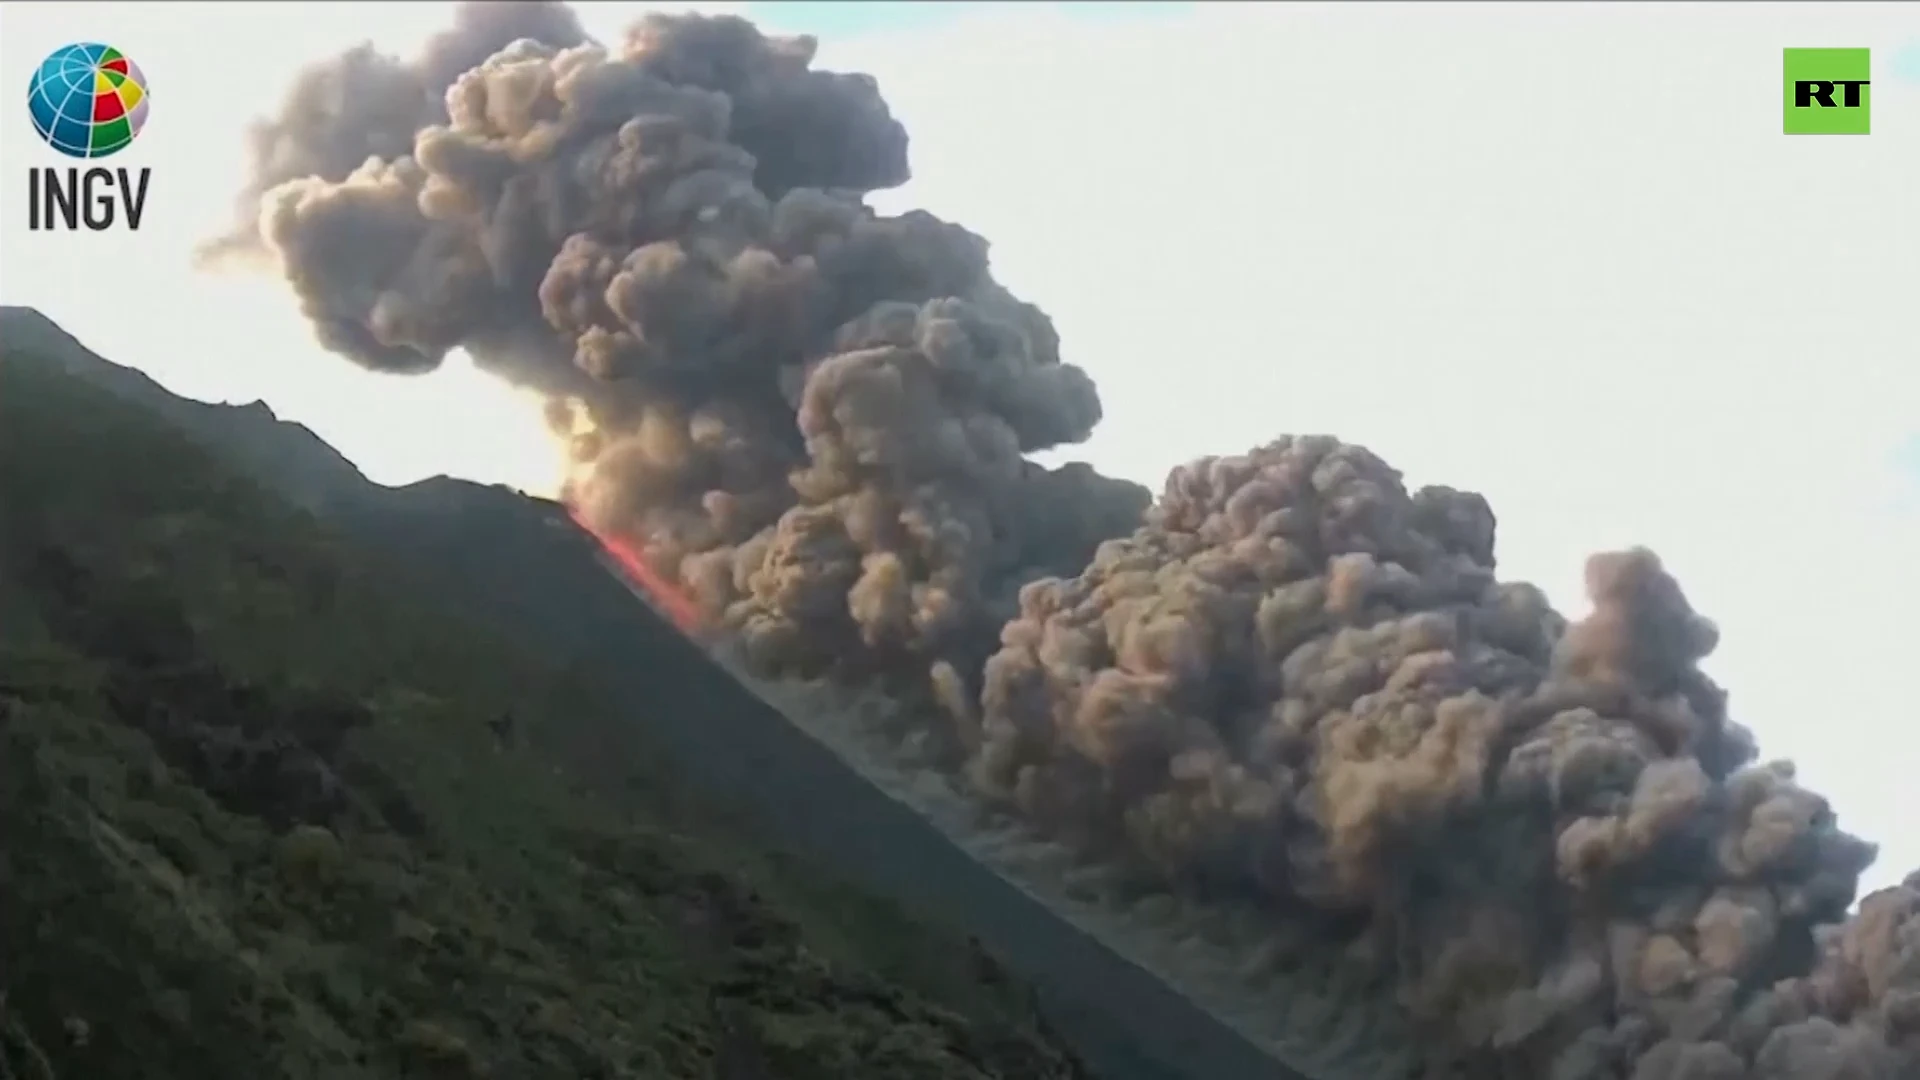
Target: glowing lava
<point x="674" y="603"/>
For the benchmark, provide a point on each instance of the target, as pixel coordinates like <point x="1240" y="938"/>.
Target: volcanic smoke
<point x="1288" y="682"/>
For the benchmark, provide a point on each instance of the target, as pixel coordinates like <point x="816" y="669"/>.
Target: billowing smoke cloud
<point x="366" y="104"/>
<point x="1289" y="680"/>
<point x="1298" y="681"/>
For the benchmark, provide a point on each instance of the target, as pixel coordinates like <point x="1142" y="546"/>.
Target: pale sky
<point x="1560" y="254"/>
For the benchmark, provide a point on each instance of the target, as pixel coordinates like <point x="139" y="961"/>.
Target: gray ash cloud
<point x="1287" y="678"/>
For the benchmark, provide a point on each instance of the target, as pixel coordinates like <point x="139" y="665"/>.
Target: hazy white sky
<point x="1561" y="254"/>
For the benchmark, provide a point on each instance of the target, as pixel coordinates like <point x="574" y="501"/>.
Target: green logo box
<point x="1827" y="91"/>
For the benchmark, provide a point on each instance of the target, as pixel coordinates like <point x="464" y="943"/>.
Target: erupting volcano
<point x="1288" y="687"/>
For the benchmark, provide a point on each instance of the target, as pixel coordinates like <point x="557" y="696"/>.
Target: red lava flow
<point x="676" y="604"/>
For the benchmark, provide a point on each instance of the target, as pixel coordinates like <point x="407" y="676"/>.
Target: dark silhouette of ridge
<point x="496" y="554"/>
<point x="285" y="455"/>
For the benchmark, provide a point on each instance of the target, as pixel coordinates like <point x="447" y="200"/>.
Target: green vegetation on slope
<point x="262" y="817"/>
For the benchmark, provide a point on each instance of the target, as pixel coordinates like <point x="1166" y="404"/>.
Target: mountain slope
<point x="489" y="553"/>
<point x="266" y="816"/>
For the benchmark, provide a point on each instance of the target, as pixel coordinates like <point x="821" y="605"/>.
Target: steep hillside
<point x="489" y="552"/>
<point x="304" y="469"/>
<point x="264" y="814"/>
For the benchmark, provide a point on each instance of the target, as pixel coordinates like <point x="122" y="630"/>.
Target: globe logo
<point x="88" y="100"/>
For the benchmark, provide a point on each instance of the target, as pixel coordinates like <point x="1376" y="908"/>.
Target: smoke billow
<point x="1289" y="681"/>
<point x="1297" y="681"/>
<point x="366" y="104"/>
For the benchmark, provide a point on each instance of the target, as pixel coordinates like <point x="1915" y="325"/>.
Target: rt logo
<point x="88" y="101"/>
<point x="1826" y="91"/>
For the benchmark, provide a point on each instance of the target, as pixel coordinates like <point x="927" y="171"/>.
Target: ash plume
<point x="1288" y="680"/>
<point x="365" y="104"/>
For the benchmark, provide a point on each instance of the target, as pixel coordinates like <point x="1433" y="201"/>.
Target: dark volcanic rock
<point x="494" y="552"/>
